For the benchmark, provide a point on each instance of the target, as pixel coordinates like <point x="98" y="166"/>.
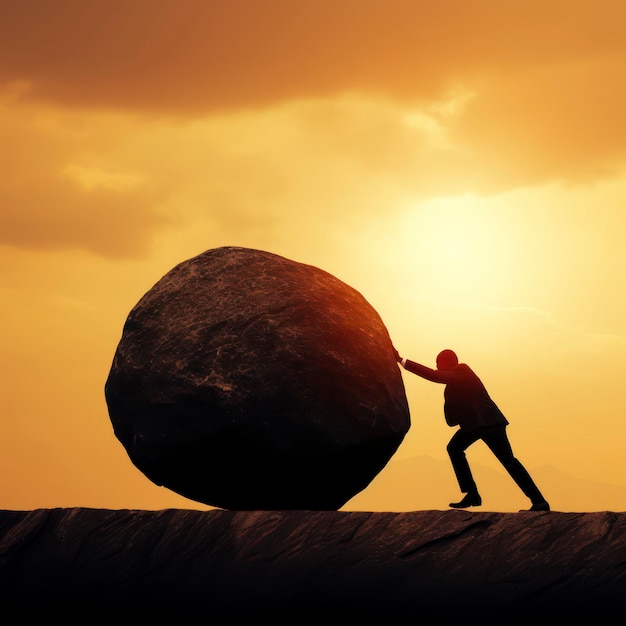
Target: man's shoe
<point x="470" y="499"/>
<point x="540" y="506"/>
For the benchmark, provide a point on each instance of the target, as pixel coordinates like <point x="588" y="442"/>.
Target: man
<point x="468" y="406"/>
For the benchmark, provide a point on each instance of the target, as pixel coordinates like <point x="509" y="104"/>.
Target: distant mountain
<point x="424" y="483"/>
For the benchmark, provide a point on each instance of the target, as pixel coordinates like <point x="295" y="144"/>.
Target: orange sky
<point x="461" y="163"/>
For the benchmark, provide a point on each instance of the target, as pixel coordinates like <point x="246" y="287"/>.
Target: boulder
<point x="248" y="381"/>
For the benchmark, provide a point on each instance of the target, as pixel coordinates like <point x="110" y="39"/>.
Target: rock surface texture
<point x="247" y="381"/>
<point x="487" y="568"/>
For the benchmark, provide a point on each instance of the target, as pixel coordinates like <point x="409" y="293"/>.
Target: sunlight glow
<point x="461" y="247"/>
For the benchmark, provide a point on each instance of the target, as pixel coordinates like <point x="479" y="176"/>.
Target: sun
<point x="462" y="247"/>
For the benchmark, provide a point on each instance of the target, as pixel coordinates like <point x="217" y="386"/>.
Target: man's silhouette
<point x="468" y="406"/>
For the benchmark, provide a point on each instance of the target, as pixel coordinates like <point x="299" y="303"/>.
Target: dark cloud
<point x="53" y="215"/>
<point x="561" y="121"/>
<point x="61" y="189"/>
<point x="193" y="56"/>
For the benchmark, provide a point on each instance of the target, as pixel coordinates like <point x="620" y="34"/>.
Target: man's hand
<point x="397" y="355"/>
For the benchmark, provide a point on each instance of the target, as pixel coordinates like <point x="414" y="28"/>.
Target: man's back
<point x="467" y="402"/>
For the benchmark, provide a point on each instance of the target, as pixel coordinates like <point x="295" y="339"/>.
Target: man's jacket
<point x="467" y="403"/>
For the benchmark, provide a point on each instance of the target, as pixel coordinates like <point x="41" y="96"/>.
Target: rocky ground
<point x="294" y="564"/>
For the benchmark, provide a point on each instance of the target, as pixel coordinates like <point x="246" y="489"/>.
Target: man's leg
<point x="498" y="442"/>
<point x="461" y="440"/>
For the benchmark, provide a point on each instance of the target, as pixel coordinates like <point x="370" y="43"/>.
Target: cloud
<point x="113" y="182"/>
<point x="561" y="121"/>
<point x="58" y="191"/>
<point x="194" y="56"/>
<point x="308" y="170"/>
<point x="56" y="216"/>
<point x="537" y="99"/>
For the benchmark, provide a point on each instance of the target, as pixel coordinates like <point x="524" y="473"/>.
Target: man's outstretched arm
<point x="435" y="376"/>
<point x="427" y="372"/>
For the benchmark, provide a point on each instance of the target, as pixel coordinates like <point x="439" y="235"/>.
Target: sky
<point x="462" y="164"/>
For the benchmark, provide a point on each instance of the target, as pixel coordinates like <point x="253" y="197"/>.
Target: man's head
<point x="446" y="360"/>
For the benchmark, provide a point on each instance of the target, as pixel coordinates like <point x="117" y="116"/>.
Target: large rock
<point x="244" y="380"/>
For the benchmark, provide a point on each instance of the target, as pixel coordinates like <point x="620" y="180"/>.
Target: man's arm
<point x="435" y="376"/>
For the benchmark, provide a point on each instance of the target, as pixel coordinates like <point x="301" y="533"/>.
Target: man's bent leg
<point x="461" y="440"/>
